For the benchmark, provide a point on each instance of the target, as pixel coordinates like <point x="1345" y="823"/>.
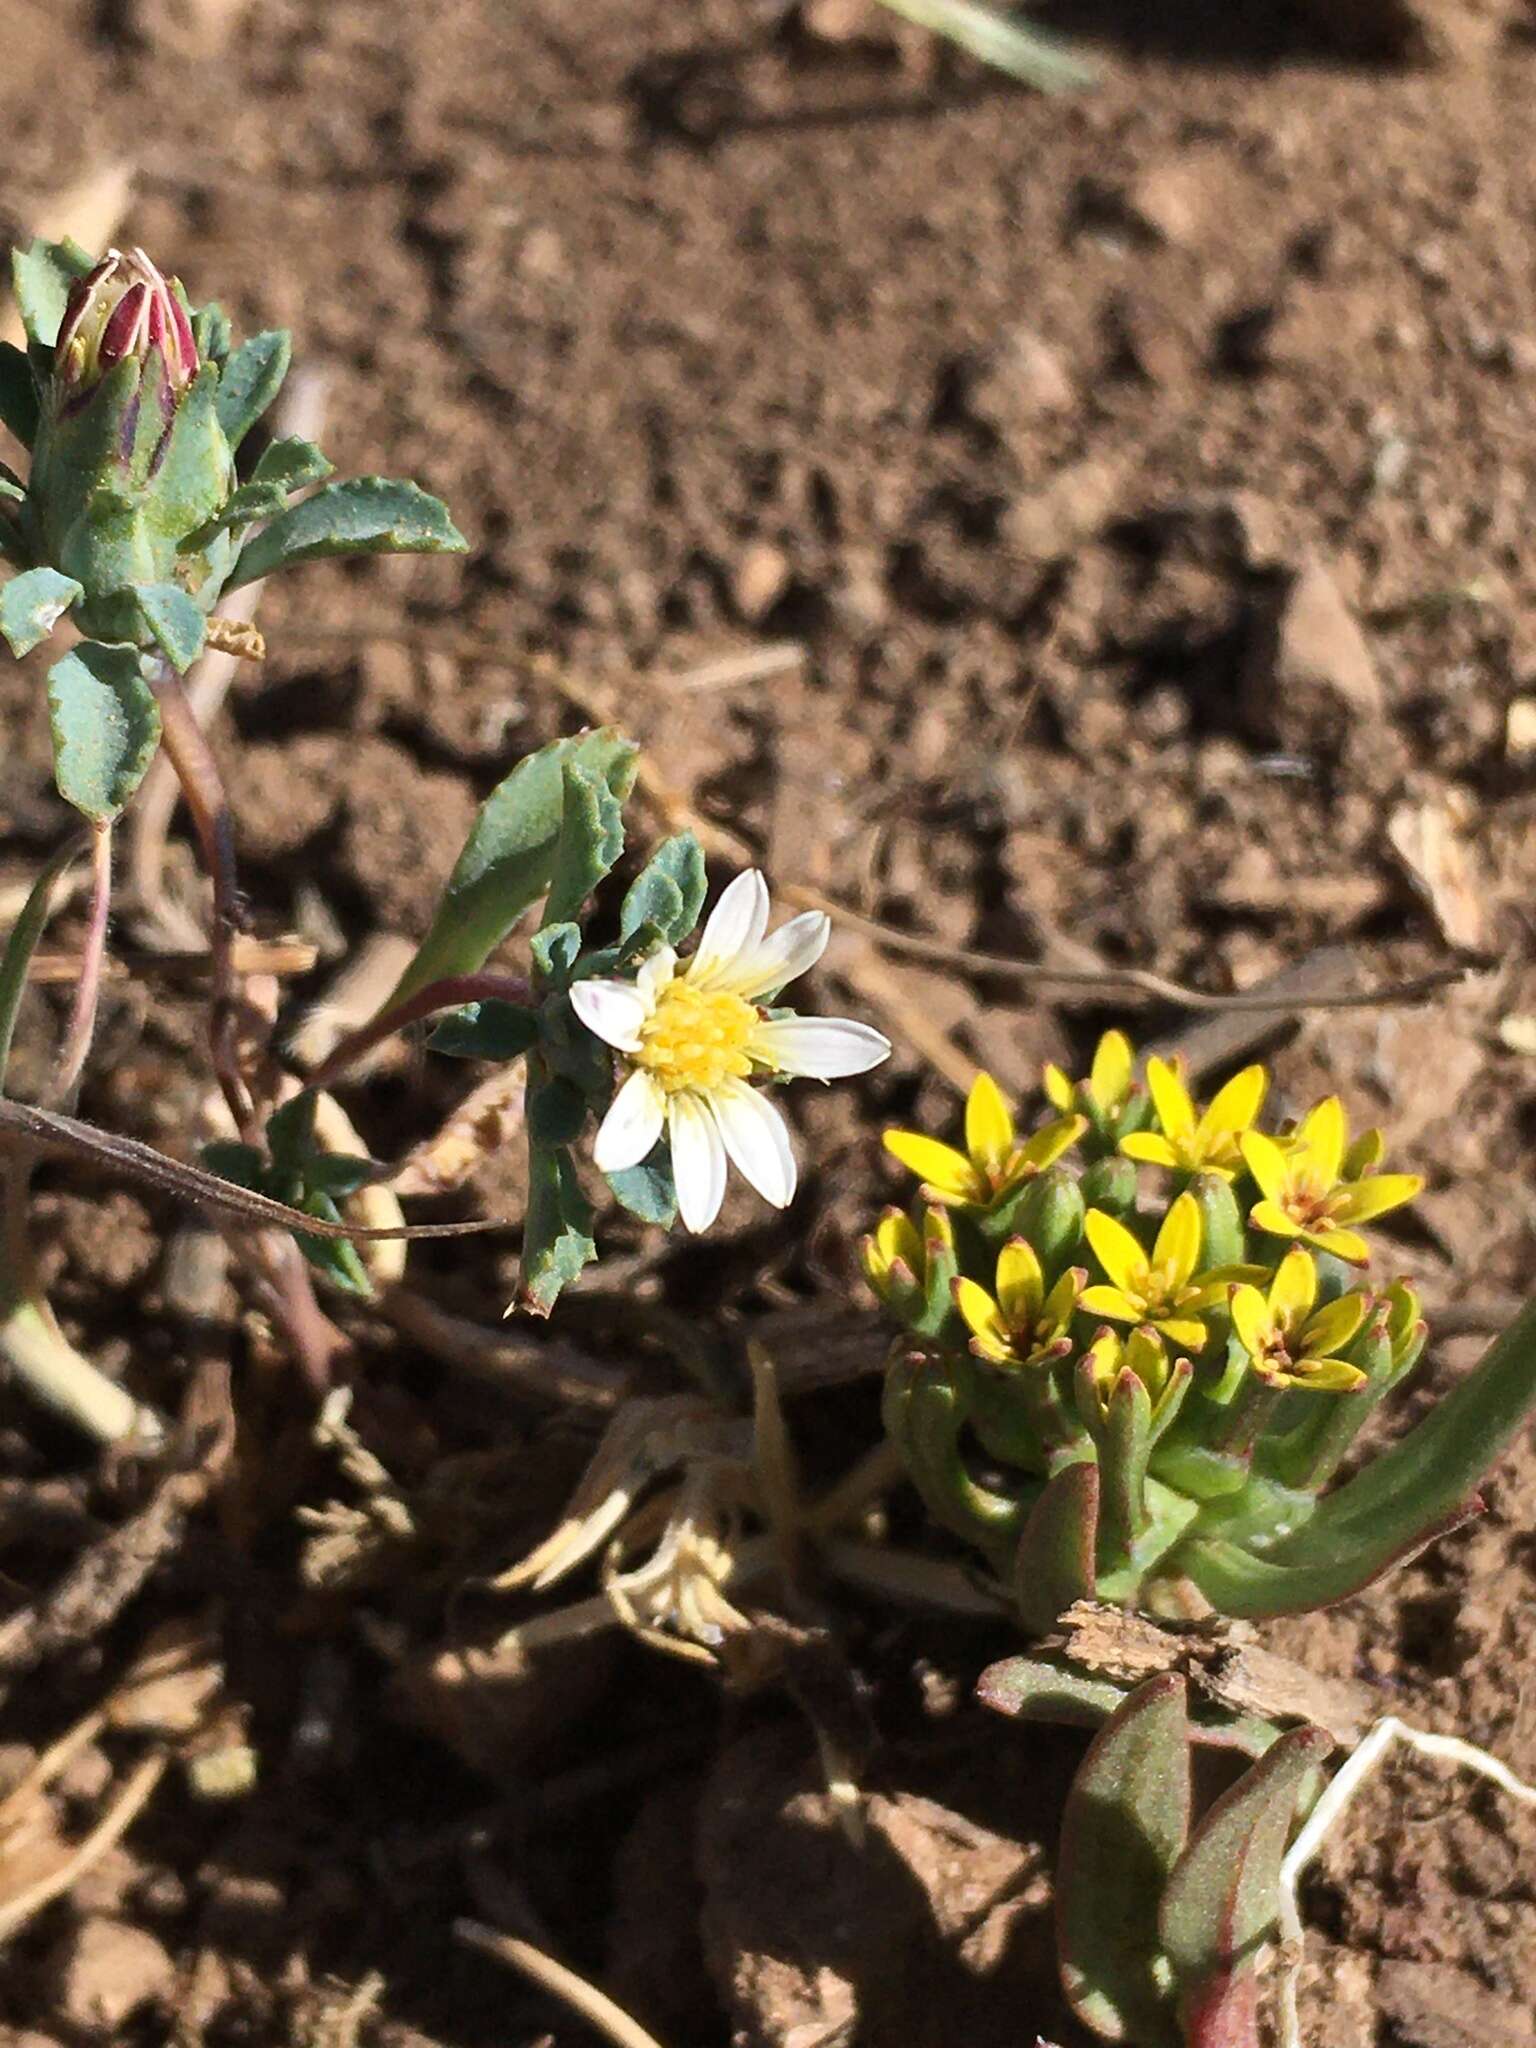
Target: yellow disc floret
<point x="695" y="1039"/>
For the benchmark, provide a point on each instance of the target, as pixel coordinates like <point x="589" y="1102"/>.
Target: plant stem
<point x="203" y="787"/>
<point x="82" y="1017"/>
<point x="451" y="993"/>
<point x="22" y="943"/>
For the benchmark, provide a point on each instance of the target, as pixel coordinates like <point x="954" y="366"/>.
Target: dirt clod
<point x="104" y="1970"/>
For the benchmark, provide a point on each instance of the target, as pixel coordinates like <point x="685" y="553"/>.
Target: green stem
<point x="22" y="943"/>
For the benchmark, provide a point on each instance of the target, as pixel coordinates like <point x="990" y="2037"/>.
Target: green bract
<point x="134" y="406"/>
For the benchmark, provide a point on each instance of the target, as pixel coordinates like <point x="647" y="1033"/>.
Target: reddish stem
<point x="81" y="1028"/>
<point x="451" y="993"/>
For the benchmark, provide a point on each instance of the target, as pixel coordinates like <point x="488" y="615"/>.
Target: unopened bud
<point x="121" y="311"/>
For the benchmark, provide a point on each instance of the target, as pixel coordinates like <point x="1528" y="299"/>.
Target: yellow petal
<point x="988" y="1125"/>
<point x="896" y="1238"/>
<point x="1046" y="1146"/>
<point x="1020" y="1284"/>
<point x="1151" y="1148"/>
<point x="1326" y="1375"/>
<point x="1170" y="1098"/>
<point x="1334" y="1324"/>
<point x="1251" y="1320"/>
<point x="1061" y="1303"/>
<point x="1294" y="1289"/>
<point x="1116" y="1251"/>
<point x="1234" y="1106"/>
<point x="1265" y="1161"/>
<point x="1177" y="1250"/>
<point x="1323" y="1135"/>
<point x="948" y="1172"/>
<point x="1109" y="1301"/>
<point x="1109" y="1079"/>
<point x="1271" y="1217"/>
<point x="983" y="1320"/>
<point x="1348" y="1245"/>
<point x="1373" y="1197"/>
<point x="938" y="1232"/>
<point x="1183" y="1331"/>
<point x="1059" y="1092"/>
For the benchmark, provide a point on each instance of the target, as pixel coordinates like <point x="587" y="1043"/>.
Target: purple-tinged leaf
<point x="1054" y="1564"/>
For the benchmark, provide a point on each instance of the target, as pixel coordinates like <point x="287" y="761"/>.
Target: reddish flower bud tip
<point x="121" y="310"/>
<point x="126" y="330"/>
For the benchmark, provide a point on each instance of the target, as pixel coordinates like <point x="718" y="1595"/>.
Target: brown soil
<point x="1145" y="476"/>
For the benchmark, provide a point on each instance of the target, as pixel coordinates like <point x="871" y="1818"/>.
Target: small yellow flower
<point x="896" y="1257"/>
<point x="1291" y="1341"/>
<point x="1141" y="1353"/>
<point x="1108" y="1086"/>
<point x="1192" y="1141"/>
<point x="993" y="1163"/>
<point x="1304" y="1195"/>
<point x="1160" y="1289"/>
<point x="1024" y="1325"/>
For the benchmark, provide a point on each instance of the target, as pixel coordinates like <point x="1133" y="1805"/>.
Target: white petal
<point x="822" y="1048"/>
<point x="655" y="972"/>
<point x="785" y="953"/>
<point x="698" y="1160"/>
<point x="632" y="1125"/>
<point x="736" y="925"/>
<point x="615" y="1010"/>
<point x="756" y="1140"/>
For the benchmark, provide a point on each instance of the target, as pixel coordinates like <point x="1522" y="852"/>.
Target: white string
<point x="1320" y="1822"/>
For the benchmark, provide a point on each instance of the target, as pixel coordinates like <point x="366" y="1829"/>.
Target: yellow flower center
<point x="696" y="1038"/>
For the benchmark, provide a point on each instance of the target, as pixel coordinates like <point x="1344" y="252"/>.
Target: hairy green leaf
<point x="106" y="727"/>
<point x="362" y="515"/>
<point x="32" y="604"/>
<point x="509" y="858"/>
<point x="591" y="840"/>
<point x="249" y="381"/>
<point x="41" y="276"/>
<point x="668" y="893"/>
<point x="1125" y="1822"/>
<point x="178" y="626"/>
<point x="18" y="394"/>
<point x="294" y="463"/>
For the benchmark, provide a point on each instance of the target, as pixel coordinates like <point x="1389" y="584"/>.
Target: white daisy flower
<point x="695" y="1037"/>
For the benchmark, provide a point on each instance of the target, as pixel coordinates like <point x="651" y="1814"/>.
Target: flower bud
<point x="122" y="309"/>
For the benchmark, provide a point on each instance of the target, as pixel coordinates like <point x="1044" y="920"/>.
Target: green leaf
<point x="32" y="604"/>
<point x="285" y="466"/>
<point x="21" y="944"/>
<point x="1123" y="1461"/>
<point x="668" y="893"/>
<point x="1125" y="1822"/>
<point x="291" y="1132"/>
<point x="509" y="858"/>
<point x="556" y="1113"/>
<point x="591" y="840"/>
<point x="1055" y="1561"/>
<point x="648" y="1190"/>
<point x="336" y="1257"/>
<point x="292" y="462"/>
<point x="487" y="1031"/>
<point x="555" y="948"/>
<point x="243" y="1164"/>
<point x="41" y="276"/>
<point x="557" y="1230"/>
<point x="177" y="624"/>
<point x="1221" y="1899"/>
<point x="363" y="515"/>
<point x="246" y="504"/>
<point x="18" y="394"/>
<point x="249" y="381"/>
<point x="211" y="332"/>
<point x="106" y="727"/>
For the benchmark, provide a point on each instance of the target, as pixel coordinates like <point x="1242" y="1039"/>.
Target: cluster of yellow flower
<point x="1235" y="1252"/>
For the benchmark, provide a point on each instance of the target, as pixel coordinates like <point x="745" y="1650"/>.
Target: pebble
<point x="104" y="1970"/>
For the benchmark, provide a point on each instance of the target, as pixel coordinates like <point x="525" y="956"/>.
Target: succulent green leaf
<point x="177" y="625"/>
<point x="668" y="893"/>
<point x="648" y="1190"/>
<point x="1054" y="1564"/>
<point x="32" y="604"/>
<point x="1123" y="1454"/>
<point x="1298" y="1578"/>
<point x="1049" y="1211"/>
<point x="18" y="394"/>
<point x="1125" y="1823"/>
<point x="249" y="381"/>
<point x="487" y="1031"/>
<point x="41" y="276"/>
<point x="1221" y="1221"/>
<point x="557" y="1229"/>
<point x="1112" y="1185"/>
<point x="1220" y="1901"/>
<point x="509" y="858"/>
<point x="362" y="515"/>
<point x="106" y="727"/>
<point x="1043" y="1689"/>
<point x="591" y="840"/>
<point x="927" y="1417"/>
